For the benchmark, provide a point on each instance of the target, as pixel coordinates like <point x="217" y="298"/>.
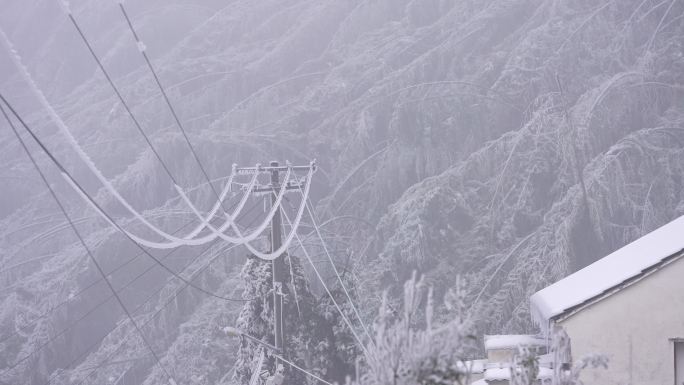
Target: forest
<point x="468" y="153"/>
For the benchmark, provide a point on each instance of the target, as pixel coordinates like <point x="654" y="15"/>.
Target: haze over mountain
<point x="508" y="143"/>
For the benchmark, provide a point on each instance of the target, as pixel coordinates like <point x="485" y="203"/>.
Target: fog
<point x="476" y="150"/>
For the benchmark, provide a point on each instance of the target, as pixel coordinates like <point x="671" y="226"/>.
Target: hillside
<point x="508" y="142"/>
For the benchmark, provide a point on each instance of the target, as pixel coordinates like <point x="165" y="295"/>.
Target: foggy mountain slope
<point x="439" y="121"/>
<point x="499" y="216"/>
<point x="443" y="227"/>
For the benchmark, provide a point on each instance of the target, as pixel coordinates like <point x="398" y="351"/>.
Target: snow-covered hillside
<point x="510" y="142"/>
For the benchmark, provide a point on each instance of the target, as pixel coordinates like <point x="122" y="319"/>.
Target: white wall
<point x="633" y="327"/>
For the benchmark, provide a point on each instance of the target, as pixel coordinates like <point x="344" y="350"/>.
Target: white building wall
<point x="634" y="328"/>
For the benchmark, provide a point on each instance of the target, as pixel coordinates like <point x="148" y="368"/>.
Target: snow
<point x="497" y="374"/>
<point x="494" y="374"/>
<point x="545" y="373"/>
<point x="608" y="272"/>
<point x="493" y="342"/>
<point x="173" y="241"/>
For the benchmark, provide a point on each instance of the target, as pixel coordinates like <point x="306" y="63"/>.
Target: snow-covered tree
<point x="313" y="336"/>
<point x="410" y="348"/>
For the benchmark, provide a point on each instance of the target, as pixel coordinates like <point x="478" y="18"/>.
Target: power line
<point x="78" y="234"/>
<point x="292" y="364"/>
<point x="92" y="310"/>
<point x="327" y="290"/>
<point x="16" y="59"/>
<point x="193" y="276"/>
<point x="305" y="201"/>
<point x="99" y="208"/>
<point x="115" y="293"/>
<point x="170" y="300"/>
<point x="174" y="241"/>
<point x="117" y="325"/>
<point x="118" y="94"/>
<point x="142" y="49"/>
<point x="83" y="290"/>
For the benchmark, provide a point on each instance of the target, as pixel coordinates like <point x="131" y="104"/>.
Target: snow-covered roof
<point x="495" y="342"/>
<point x="608" y="273"/>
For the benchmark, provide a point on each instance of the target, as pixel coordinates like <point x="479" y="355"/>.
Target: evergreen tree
<point x="314" y="334"/>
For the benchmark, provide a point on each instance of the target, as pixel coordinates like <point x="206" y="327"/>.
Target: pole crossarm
<point x="268" y="189"/>
<point x="261" y="169"/>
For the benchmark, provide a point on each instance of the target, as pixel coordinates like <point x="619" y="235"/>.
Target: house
<point x="628" y="306"/>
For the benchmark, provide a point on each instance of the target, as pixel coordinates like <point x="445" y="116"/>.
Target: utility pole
<point x="278" y="264"/>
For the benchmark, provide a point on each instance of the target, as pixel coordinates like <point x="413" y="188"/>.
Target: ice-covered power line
<point x="73" y="142"/>
<point x="75" y="296"/>
<point x="274" y="208"/>
<point x="81" y="240"/>
<point x="115" y="293"/>
<point x="220" y="232"/>
<point x="327" y="290"/>
<point x="67" y="175"/>
<point x="118" y="93"/>
<point x="170" y="300"/>
<point x="220" y="197"/>
<point x="152" y="295"/>
<point x="306" y="203"/>
<point x="143" y="51"/>
<point x="173" y="241"/>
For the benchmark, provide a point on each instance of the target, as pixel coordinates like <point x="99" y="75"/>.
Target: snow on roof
<point x="495" y="342"/>
<point x="607" y="273"/>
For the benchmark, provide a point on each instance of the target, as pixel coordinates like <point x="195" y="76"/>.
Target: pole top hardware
<point x="275" y="166"/>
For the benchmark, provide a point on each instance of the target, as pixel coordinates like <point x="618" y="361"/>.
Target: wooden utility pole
<point x="278" y="264"/>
